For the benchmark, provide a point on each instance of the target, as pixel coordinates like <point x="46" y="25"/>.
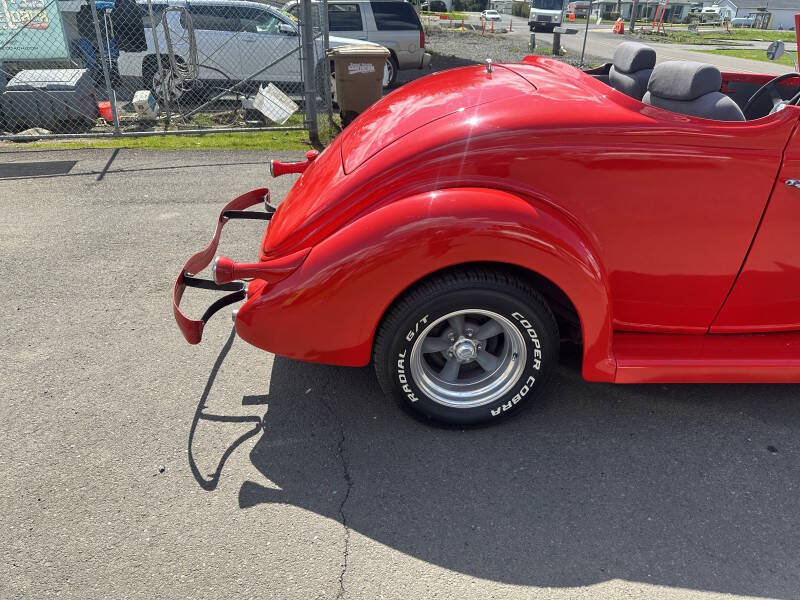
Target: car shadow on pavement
<point x="212" y="480"/>
<point x="685" y="486"/>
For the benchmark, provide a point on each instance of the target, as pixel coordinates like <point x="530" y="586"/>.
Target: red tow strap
<point x="192" y="329"/>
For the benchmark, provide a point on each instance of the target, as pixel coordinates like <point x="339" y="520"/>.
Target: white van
<point x="546" y="14"/>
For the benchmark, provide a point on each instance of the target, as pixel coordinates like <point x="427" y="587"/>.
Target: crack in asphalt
<point x="349" y="481"/>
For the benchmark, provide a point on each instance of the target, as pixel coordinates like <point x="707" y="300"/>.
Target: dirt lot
<point x="452" y="49"/>
<point x="136" y="466"/>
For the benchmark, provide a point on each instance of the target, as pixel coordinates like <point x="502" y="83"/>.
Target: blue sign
<point x="31" y="30"/>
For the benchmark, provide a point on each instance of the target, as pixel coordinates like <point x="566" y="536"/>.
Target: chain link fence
<point x="141" y="67"/>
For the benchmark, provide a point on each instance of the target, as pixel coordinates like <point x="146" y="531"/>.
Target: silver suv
<point x="393" y="24"/>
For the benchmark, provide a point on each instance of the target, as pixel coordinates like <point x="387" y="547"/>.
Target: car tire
<point x="469" y="347"/>
<point x="390" y="75"/>
<point x="151" y="79"/>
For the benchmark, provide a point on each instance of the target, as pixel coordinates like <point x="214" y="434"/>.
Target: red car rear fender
<point x="328" y="310"/>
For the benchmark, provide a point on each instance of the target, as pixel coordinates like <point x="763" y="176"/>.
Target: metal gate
<point x="148" y="67"/>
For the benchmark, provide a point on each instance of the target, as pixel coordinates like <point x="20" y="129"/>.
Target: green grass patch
<point x="295" y="139"/>
<point x="750" y="54"/>
<point x="255" y="140"/>
<point x="765" y="35"/>
<point x="715" y="37"/>
<point x="546" y="51"/>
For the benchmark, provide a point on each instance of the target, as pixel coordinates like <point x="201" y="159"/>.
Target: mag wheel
<point x="469" y="347"/>
<point x="390" y="72"/>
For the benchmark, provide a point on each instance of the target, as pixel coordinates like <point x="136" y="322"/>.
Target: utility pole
<point x="309" y="70"/>
<point x="634" y="9"/>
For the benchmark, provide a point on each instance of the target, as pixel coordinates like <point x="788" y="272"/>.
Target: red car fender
<point x="328" y="310"/>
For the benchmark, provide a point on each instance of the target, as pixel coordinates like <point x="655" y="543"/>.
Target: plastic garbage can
<point x="358" y="74"/>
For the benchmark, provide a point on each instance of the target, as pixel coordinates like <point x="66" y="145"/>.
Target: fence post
<point x="326" y="85"/>
<point x="532" y="44"/>
<point x="157" y="47"/>
<point x="556" y="44"/>
<point x="309" y="72"/>
<point x="586" y="31"/>
<point x="112" y="97"/>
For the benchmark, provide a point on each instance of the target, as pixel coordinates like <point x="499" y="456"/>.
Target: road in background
<point x="137" y="466"/>
<point x="601" y="43"/>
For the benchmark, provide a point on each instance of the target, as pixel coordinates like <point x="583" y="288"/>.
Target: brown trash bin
<point x="358" y="73"/>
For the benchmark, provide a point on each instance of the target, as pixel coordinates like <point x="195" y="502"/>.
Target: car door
<point x="347" y="20"/>
<point x="672" y="204"/>
<point x="766" y="296"/>
<point x="217" y="36"/>
<point x="265" y="41"/>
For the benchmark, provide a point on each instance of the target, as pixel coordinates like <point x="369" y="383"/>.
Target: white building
<point x="676" y="12"/>
<point x="501" y="6"/>
<point x="782" y="11"/>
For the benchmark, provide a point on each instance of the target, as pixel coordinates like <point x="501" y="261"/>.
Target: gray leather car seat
<point x="630" y="72"/>
<point x="691" y="88"/>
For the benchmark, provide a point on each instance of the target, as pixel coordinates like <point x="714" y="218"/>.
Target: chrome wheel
<point x="388" y="73"/>
<point x="468" y="358"/>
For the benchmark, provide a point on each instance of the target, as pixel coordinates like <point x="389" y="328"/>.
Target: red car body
<point x="673" y="240"/>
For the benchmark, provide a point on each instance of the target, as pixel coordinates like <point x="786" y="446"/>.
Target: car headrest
<point x="630" y="57"/>
<point x="684" y="80"/>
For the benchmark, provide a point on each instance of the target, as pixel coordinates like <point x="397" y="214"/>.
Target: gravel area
<point x="474" y="47"/>
<point x="452" y="49"/>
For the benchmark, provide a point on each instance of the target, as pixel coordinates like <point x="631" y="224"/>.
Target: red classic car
<point x="469" y="222"/>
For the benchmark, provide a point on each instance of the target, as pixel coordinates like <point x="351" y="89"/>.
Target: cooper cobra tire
<point x="498" y="329"/>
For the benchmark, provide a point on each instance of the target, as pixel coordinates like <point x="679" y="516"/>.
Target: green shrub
<point x="521" y="9"/>
<point x="470" y="5"/>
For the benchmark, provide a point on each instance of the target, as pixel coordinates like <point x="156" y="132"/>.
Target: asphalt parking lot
<point x="136" y="466"/>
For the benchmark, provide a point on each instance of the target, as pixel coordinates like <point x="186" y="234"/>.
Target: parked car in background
<point x="546" y="14"/>
<point x="434" y="6"/>
<point x="710" y="14"/>
<point x="234" y="39"/>
<point x="394" y="24"/>
<point x="580" y="9"/>
<point x="747" y="21"/>
<point x="490" y="15"/>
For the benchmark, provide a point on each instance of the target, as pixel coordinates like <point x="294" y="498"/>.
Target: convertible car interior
<point x="633" y="64"/>
<point x="695" y="88"/>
